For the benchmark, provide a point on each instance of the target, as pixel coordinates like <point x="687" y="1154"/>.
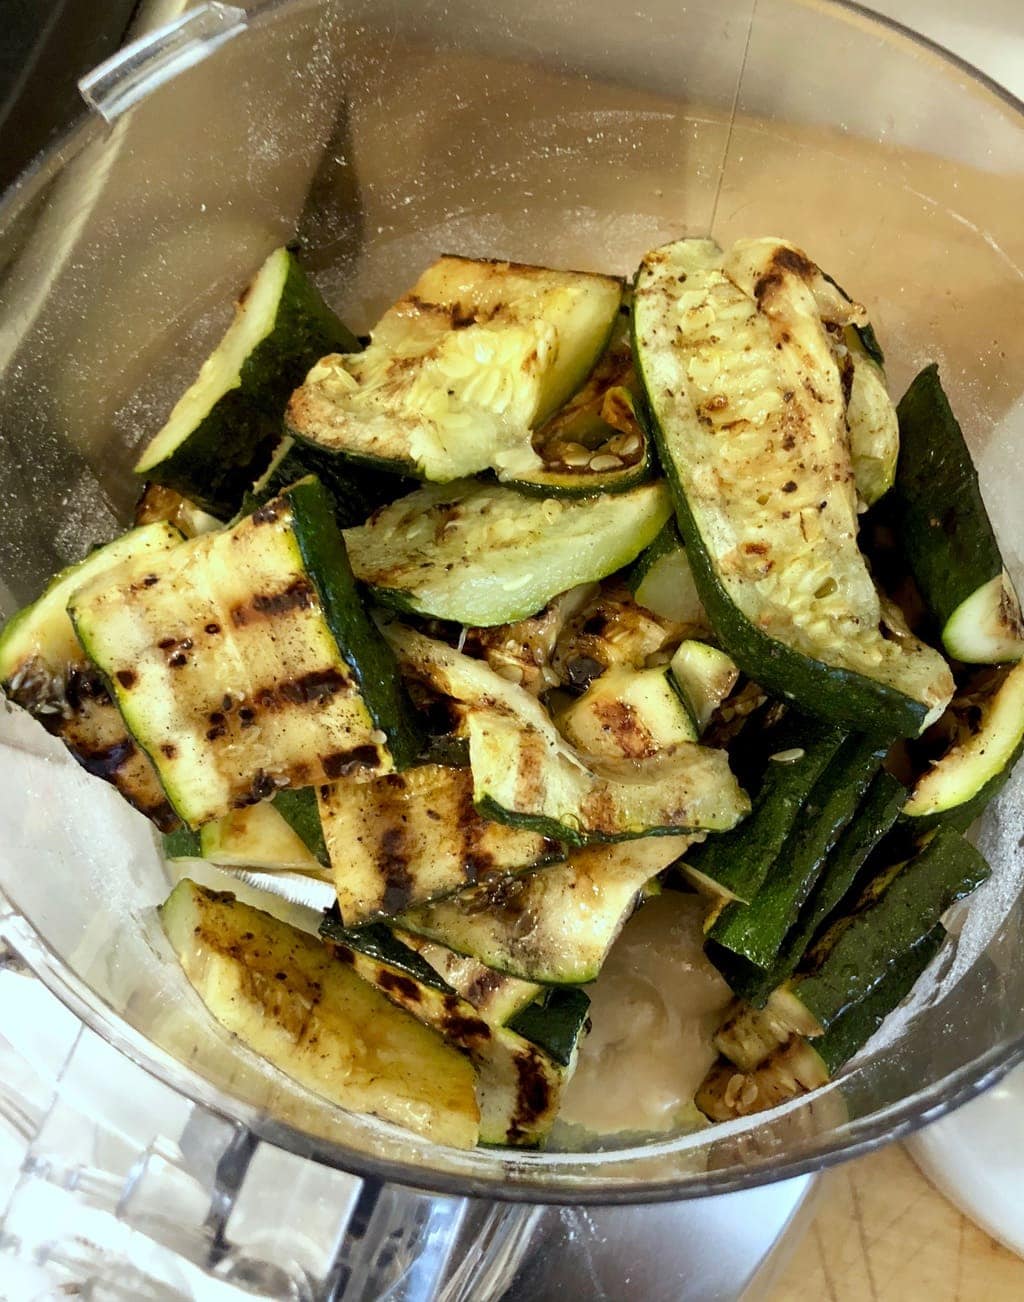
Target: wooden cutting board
<point x="882" y="1233"/>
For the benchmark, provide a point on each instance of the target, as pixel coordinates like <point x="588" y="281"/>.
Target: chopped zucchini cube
<point x="242" y="661"/>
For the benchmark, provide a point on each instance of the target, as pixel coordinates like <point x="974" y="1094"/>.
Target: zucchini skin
<point x="943" y="526"/>
<point x="355" y="491"/>
<point x="373" y="663"/>
<point x="852" y="1029"/>
<point x="876" y="815"/>
<point x="896" y="910"/>
<point x="554" y="1022"/>
<point x="297" y="806"/>
<point x="231" y="446"/>
<point x="739" y="860"/>
<point x="757" y="930"/>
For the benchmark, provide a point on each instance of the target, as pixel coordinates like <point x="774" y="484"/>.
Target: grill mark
<point x="393" y="861"/>
<point x="168" y="749"/>
<point x="262" y="786"/>
<point x="463" y="1027"/>
<point x="268" y="513"/>
<point x="475" y="859"/>
<point x="533" y="1095"/>
<point x="483" y="984"/>
<point x="84" y="685"/>
<point x="618" y="719"/>
<point x="298" y="595"/>
<point x="343" y="762"/>
<point x="316" y="685"/>
<point x="396" y="983"/>
<point x="126" y="677"/>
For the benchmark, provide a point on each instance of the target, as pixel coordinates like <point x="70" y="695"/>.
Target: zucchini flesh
<point x="871" y="420"/>
<point x="223" y="430"/>
<point x="748" y="413"/>
<point x="597" y="442"/>
<point x="519" y="1083"/>
<point x="482" y="554"/>
<point x="896" y="910"/>
<point x="243" y="661"/>
<point x="406" y="838"/>
<point x="524" y="774"/>
<point x="633" y="713"/>
<point x="793" y="1069"/>
<point x="460" y="370"/>
<point x="496" y="996"/>
<point x="987" y="742"/>
<point x="738" y="862"/>
<point x="256" y="837"/>
<point x="705" y="676"/>
<point x="556" y="926"/>
<point x="757" y="931"/>
<point x="284" y="994"/>
<point x="524" y="652"/>
<point x="945" y="532"/>
<point x="44" y="670"/>
<point x="661" y="580"/>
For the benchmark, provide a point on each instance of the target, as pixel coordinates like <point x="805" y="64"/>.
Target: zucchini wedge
<point x="286" y="996"/>
<point x="946" y="534"/>
<point x="460" y="370"/>
<point x="556" y="926"/>
<point x="985" y="731"/>
<point x="518" y="1084"/>
<point x="256" y="837"/>
<point x="406" y="838"/>
<point x="482" y="554"/>
<point x="896" y="910"/>
<point x="756" y="931"/>
<point x="243" y="661"/>
<point x="773" y="1072"/>
<point x="661" y="581"/>
<point x="628" y="713"/>
<point x="223" y="429"/>
<point x="704" y="676"/>
<point x="496" y="996"/>
<point x="735" y="865"/>
<point x="597" y="442"/>
<point x="44" y="670"/>
<point x="525" y="775"/>
<point x="875" y="816"/>
<point x="748" y="412"/>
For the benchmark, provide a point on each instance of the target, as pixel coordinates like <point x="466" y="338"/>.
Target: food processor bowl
<point x="579" y="134"/>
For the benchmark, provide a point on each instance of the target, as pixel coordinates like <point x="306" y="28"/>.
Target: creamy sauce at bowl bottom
<point x="654" y="1008"/>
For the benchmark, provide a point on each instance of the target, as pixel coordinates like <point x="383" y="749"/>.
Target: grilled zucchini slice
<point x="482" y="554"/>
<point x="285" y="995"/>
<point x="518" y="1084"/>
<point x="460" y="370"/>
<point x="946" y="535"/>
<point x="985" y="730"/>
<point x="406" y="838"/>
<point x="629" y="713"/>
<point x="44" y="670"/>
<point x="496" y="996"/>
<point x="223" y="430"/>
<point x="870" y="419"/>
<point x="243" y="661"/>
<point x="256" y="837"/>
<point x="748" y="412"/>
<point x="610" y="629"/>
<point x="555" y="926"/>
<point x="524" y="774"/>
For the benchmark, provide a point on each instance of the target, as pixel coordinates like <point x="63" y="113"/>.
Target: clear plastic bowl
<point x="578" y="134"/>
